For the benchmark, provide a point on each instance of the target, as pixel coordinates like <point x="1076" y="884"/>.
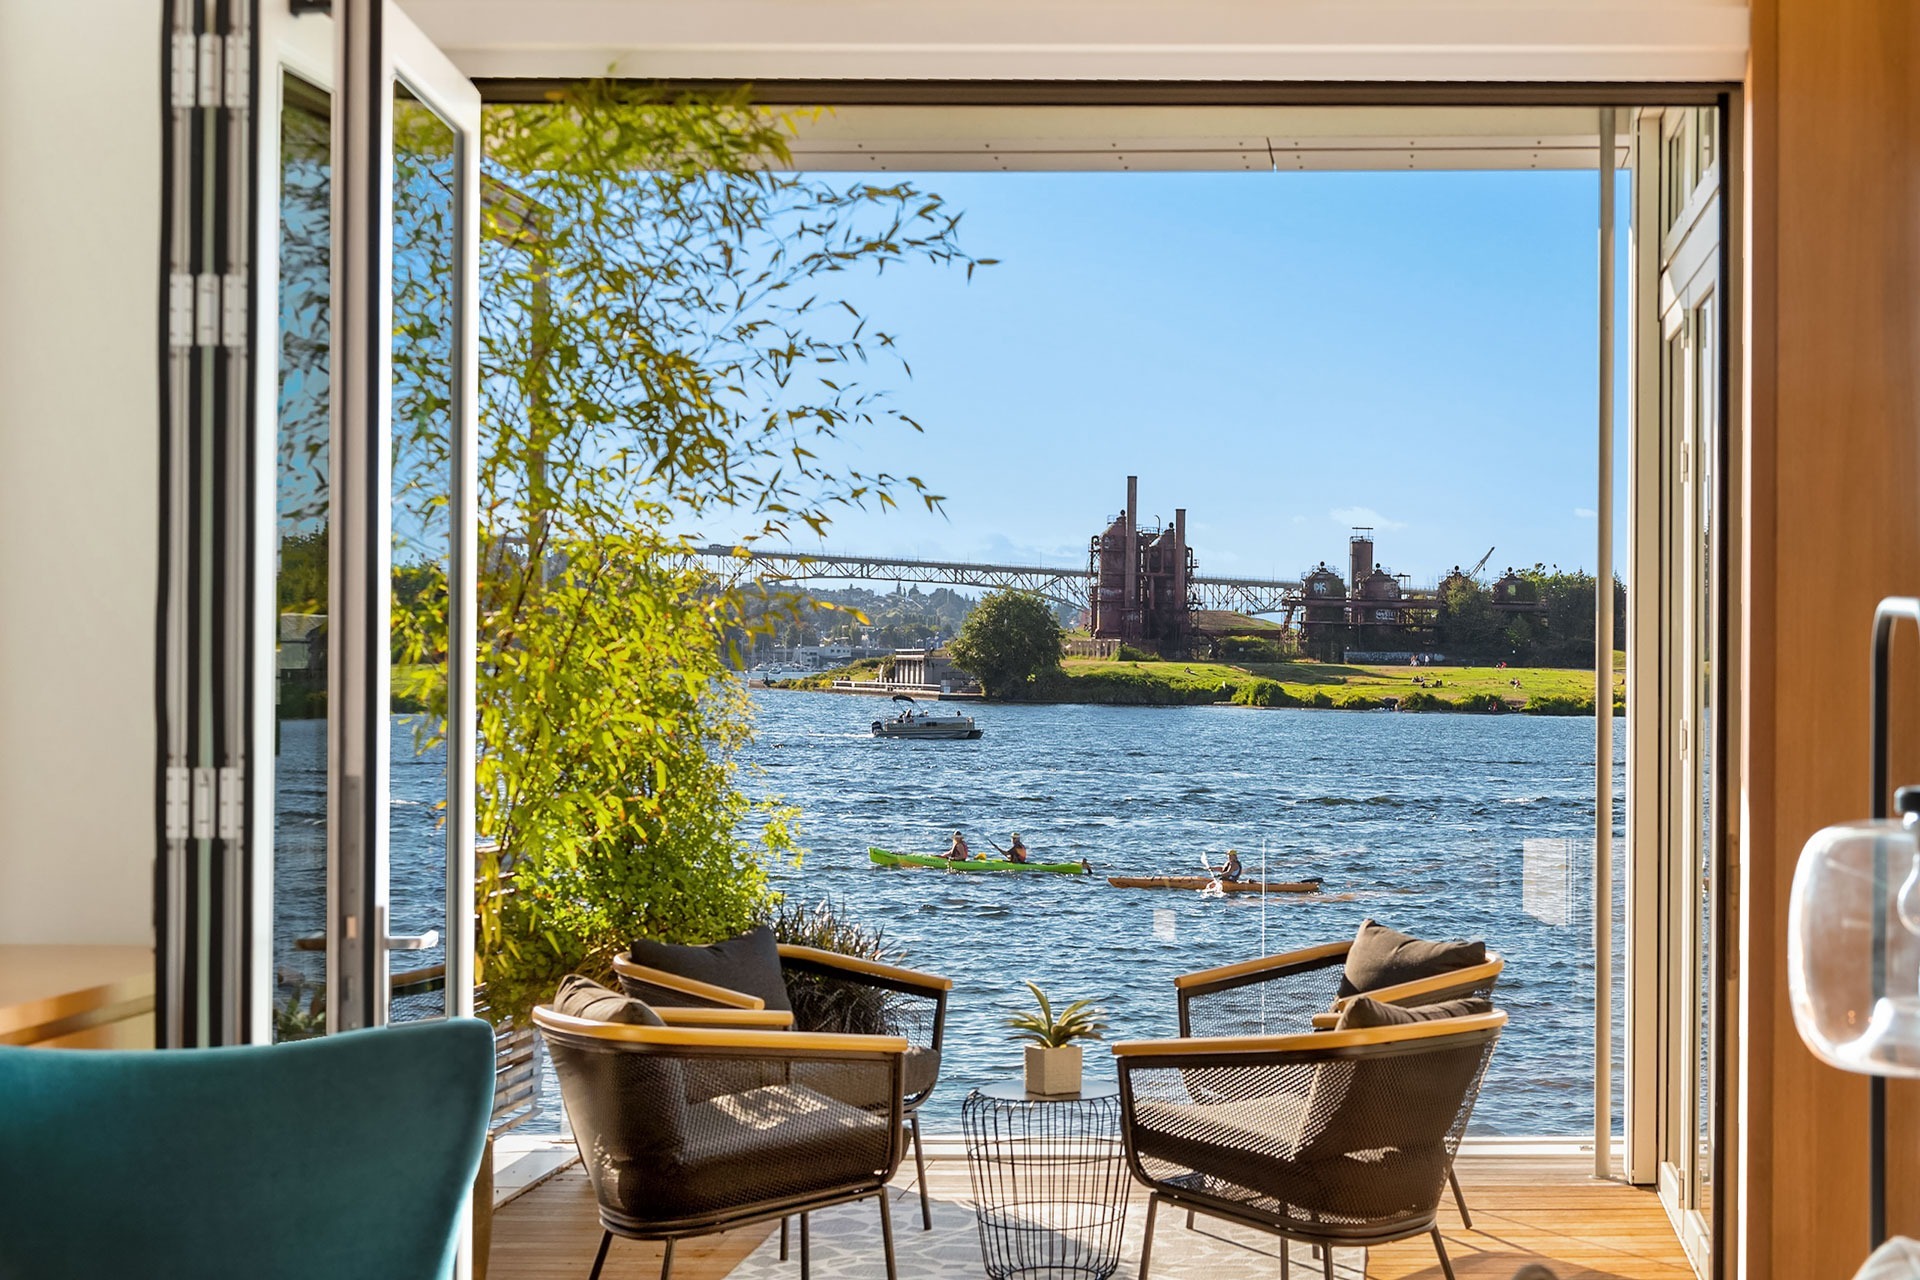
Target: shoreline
<point x="1434" y="690"/>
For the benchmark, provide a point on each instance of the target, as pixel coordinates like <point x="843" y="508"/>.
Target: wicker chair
<point x="840" y="995"/>
<point x="1301" y="989"/>
<point x="1331" y="1138"/>
<point x="698" y="1126"/>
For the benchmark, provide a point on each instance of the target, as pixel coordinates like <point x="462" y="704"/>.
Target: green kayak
<point x="884" y="858"/>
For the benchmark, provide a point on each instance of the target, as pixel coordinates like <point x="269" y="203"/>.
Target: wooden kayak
<point x="1310" y="885"/>
<point x="886" y="858"/>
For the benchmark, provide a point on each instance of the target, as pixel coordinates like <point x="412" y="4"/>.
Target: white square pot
<point x="1052" y="1072"/>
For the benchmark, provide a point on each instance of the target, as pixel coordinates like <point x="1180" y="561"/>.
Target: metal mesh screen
<point x="1277" y="1005"/>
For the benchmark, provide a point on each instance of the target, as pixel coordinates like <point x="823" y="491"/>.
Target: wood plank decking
<point x="1525" y="1209"/>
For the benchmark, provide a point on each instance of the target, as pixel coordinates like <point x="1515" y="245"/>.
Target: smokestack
<point x="1180" y="557"/>
<point x="1130" y="608"/>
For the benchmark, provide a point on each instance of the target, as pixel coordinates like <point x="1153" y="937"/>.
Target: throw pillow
<point x="749" y="964"/>
<point x="1373" y="1013"/>
<point x="580" y="997"/>
<point x="1383" y="957"/>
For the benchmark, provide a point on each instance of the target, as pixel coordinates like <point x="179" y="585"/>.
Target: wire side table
<point x="1049" y="1181"/>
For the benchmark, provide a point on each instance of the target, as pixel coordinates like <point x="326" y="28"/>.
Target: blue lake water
<point x="1439" y="825"/>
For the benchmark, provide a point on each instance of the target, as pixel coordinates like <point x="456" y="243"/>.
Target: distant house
<point x="928" y="667"/>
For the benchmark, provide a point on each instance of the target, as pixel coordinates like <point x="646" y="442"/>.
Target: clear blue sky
<point x="1283" y="354"/>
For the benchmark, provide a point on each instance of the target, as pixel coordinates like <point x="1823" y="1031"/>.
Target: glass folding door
<point x="369" y="162"/>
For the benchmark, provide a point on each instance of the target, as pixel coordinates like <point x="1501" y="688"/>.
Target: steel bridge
<point x="1064" y="586"/>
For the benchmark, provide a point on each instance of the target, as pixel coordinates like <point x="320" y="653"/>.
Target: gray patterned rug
<point x="846" y="1246"/>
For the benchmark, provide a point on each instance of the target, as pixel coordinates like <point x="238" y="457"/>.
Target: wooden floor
<point x="1525" y="1210"/>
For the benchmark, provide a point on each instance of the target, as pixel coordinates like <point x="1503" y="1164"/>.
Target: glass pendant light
<point x="1853" y="944"/>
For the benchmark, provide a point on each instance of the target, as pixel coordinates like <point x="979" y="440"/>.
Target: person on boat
<point x="1018" y="850"/>
<point x="957" y="850"/>
<point x="1232" y="870"/>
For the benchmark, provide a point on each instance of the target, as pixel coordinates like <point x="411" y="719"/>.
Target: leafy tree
<point x="1010" y="643"/>
<point x="660" y="344"/>
<point x="1469" y="625"/>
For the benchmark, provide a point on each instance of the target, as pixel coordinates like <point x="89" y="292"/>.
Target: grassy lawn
<point x="1445" y="688"/>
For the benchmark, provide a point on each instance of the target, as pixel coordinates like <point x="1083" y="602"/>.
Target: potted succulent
<point x="1053" y="1059"/>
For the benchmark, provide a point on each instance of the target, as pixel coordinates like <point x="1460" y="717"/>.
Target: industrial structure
<point x="1141" y="586"/>
<point x="1138" y="580"/>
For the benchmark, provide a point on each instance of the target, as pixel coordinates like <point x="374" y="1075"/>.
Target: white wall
<point x="79" y="254"/>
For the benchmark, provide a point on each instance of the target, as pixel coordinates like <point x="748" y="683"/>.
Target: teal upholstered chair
<point x="345" y="1156"/>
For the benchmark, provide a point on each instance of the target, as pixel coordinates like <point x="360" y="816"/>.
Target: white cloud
<point x="1363" y="517"/>
<point x="1586" y="513"/>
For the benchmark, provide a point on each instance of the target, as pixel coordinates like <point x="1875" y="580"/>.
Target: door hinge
<point x="203" y="802"/>
<point x="186" y="62"/>
<point x="232" y="802"/>
<point x="209" y="87"/>
<point x="233" y="309"/>
<point x="206" y="309"/>
<point x="238" y="54"/>
<point x="178" y="805"/>
<point x="180" y="310"/>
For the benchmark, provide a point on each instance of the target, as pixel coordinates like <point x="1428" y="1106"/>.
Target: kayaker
<point x="1232" y="870"/>
<point x="957" y="850"/>
<point x="1018" y="852"/>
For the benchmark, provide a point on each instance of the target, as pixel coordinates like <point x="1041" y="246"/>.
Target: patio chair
<point x="1312" y="986"/>
<point x="825" y="991"/>
<point x="346" y="1155"/>
<point x="1334" y="1138"/>
<point x="688" y="1127"/>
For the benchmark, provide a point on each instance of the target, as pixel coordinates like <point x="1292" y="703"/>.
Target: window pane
<point x="423" y="397"/>
<point x="302" y="507"/>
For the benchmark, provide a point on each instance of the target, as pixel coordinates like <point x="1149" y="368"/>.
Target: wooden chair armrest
<point x="1304" y="958"/>
<point x="1401" y="992"/>
<point x="1325" y="1021"/>
<point x="814" y="956"/>
<point x="688" y="987"/>
<point x="796" y="1043"/>
<point x="1306" y="1042"/>
<point x="756" y="1019"/>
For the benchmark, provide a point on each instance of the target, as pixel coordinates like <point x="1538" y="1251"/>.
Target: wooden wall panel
<point x="1832" y="467"/>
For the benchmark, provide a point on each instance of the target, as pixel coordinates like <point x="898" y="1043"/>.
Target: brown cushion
<point x="749" y="964"/>
<point x="1374" y="1013"/>
<point x="1383" y="957"/>
<point x="751" y="1148"/>
<point x="580" y="997"/>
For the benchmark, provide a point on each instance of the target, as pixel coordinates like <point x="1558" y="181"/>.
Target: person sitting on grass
<point x="957" y="850"/>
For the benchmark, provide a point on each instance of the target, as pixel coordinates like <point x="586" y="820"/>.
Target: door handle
<point x="413" y="941"/>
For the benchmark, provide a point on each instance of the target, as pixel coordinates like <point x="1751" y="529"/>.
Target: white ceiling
<point x="1231" y="40"/>
<point x="935" y="139"/>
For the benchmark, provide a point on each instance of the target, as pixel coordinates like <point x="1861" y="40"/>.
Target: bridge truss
<point x="1069" y="587"/>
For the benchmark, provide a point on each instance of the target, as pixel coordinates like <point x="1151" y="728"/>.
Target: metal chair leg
<point x="1326" y="1262"/>
<point x="600" y="1258"/>
<point x="886" y="1233"/>
<point x="1146" y="1241"/>
<point x="920" y="1167"/>
<point x="1459" y="1200"/>
<point x="1286" y="1257"/>
<point x="806" y="1252"/>
<point x="666" y="1262"/>
<point x="1189" y="1219"/>
<point x="783" y="1238"/>
<point x="1440" y="1247"/>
